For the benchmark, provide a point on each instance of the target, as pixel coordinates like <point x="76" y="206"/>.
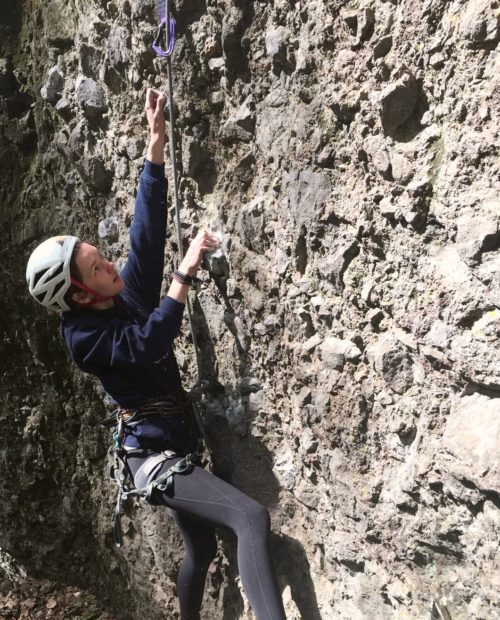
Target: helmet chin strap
<point x="97" y="297"/>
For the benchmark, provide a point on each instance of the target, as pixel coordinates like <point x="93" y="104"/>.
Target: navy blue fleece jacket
<point x="129" y="347"/>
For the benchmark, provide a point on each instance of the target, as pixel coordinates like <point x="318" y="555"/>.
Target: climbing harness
<point x="145" y="481"/>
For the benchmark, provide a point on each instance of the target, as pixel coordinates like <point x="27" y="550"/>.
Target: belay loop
<point x="170" y="39"/>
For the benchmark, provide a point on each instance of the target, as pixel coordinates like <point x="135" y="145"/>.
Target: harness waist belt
<point x="170" y="405"/>
<point x="173" y="406"/>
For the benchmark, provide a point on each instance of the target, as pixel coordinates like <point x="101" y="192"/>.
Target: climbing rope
<point x="165" y="18"/>
<point x="169" y="32"/>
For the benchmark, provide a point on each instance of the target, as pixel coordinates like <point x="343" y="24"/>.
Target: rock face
<point x="347" y="154"/>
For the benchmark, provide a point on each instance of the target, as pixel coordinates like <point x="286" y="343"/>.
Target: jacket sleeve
<point x="122" y="343"/>
<point x="143" y="271"/>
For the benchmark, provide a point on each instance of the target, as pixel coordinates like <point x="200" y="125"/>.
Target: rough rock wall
<point x="347" y="153"/>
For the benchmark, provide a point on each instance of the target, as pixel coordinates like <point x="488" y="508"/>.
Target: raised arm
<point x="143" y="271"/>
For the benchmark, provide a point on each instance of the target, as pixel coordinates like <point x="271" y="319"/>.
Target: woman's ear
<point x="81" y="297"/>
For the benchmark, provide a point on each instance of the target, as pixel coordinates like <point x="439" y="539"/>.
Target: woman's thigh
<point x="204" y="496"/>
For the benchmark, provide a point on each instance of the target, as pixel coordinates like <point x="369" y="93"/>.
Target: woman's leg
<point x="204" y="496"/>
<point x="200" y="548"/>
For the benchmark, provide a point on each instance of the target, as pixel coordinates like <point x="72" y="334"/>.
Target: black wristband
<point x="182" y="278"/>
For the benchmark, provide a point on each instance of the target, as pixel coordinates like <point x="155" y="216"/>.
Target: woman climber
<point x="117" y="328"/>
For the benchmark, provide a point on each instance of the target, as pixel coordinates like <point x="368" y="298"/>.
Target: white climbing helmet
<point x="48" y="271"/>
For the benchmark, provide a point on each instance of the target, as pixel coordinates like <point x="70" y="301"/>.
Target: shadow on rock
<point x="244" y="461"/>
<point x="294" y="570"/>
<point x="249" y="468"/>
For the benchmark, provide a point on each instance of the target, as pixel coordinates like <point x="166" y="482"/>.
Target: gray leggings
<point x="199" y="501"/>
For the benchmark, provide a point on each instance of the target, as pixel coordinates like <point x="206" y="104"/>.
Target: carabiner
<point x="119" y="430"/>
<point x="171" y="38"/>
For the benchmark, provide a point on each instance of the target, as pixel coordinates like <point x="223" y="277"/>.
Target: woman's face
<point x="97" y="272"/>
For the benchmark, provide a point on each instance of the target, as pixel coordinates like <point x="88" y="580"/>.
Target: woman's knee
<point x="200" y="555"/>
<point x="258" y="516"/>
<point x="202" y="548"/>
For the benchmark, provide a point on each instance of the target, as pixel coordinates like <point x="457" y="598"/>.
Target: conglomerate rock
<point x="347" y="153"/>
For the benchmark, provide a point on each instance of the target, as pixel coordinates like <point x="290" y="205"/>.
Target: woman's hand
<point x="155" y="102"/>
<point x="205" y="241"/>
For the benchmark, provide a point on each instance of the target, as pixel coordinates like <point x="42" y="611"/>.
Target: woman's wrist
<point x="156" y="149"/>
<point x="188" y="270"/>
<point x="157" y="138"/>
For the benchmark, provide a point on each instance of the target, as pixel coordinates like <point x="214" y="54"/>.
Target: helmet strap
<point x="96" y="296"/>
